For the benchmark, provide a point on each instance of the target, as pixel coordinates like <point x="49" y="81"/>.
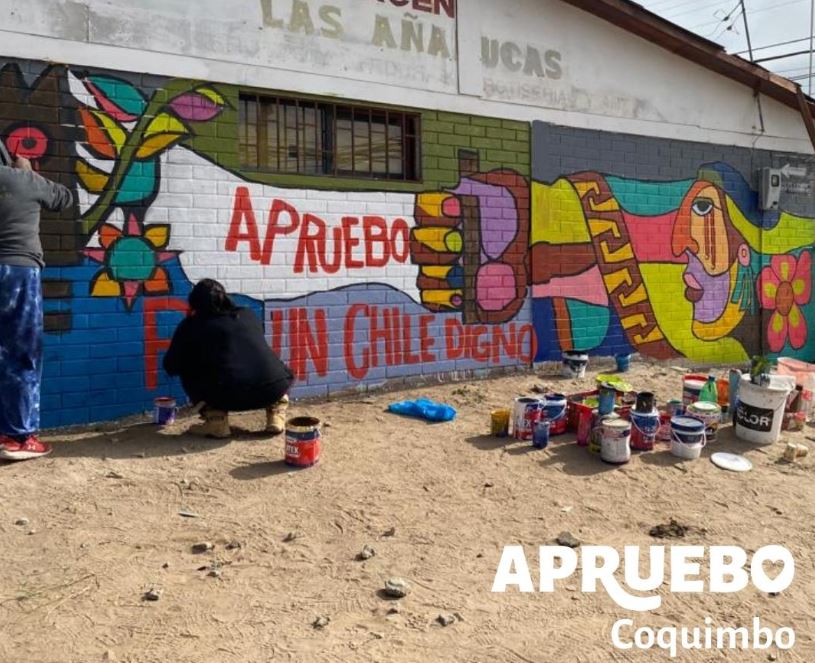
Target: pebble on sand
<point x="366" y="553"/>
<point x="321" y="622"/>
<point x="204" y="546"/>
<point x="152" y="594"/>
<point x="445" y="620"/>
<point x="397" y="588"/>
<point x="568" y="540"/>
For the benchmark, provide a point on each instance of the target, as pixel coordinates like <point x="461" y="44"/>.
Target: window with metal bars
<point x="304" y="137"/>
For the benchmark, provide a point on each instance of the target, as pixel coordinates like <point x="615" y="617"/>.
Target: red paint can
<point x="302" y="441"/>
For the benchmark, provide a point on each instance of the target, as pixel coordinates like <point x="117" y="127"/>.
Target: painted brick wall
<point x="660" y="247"/>
<point x="358" y="282"/>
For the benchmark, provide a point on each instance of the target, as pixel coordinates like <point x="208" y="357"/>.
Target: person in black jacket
<point x="224" y="362"/>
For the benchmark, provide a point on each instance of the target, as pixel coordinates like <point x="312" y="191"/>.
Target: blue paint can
<point x="623" y="363"/>
<point x="164" y="411"/>
<point x="607" y="399"/>
<point x="540" y="435"/>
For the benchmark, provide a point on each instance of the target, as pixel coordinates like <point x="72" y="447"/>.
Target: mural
<point x="675" y="268"/>
<point x="357" y="287"/>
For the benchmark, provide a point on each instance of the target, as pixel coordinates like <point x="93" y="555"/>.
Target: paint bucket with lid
<point x="164" y="411"/>
<point x="499" y="422"/>
<point x="710" y="414"/>
<point x="692" y="388"/>
<point x="615" y="435"/>
<point x="644" y="427"/>
<point x="760" y="410"/>
<point x="554" y="409"/>
<point x="574" y="365"/>
<point x="302" y="441"/>
<point x="664" y="432"/>
<point x="687" y="437"/>
<point x="526" y="413"/>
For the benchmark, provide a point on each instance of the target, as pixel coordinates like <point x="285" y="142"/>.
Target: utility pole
<point x="811" y="30"/>
<point x="747" y="29"/>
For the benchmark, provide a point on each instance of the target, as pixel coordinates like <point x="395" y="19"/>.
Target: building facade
<point x="398" y="188"/>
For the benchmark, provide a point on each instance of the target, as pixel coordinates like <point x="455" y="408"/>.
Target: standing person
<point x="224" y="362"/>
<point x="22" y="195"/>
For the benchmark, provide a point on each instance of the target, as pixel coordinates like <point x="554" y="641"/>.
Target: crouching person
<point x="225" y="363"/>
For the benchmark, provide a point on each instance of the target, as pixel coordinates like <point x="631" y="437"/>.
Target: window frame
<point x="327" y="114"/>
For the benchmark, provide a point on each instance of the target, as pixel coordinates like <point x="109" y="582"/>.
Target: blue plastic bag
<point x="424" y="408"/>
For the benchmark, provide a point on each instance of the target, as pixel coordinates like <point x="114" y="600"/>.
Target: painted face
<point x="704" y="233"/>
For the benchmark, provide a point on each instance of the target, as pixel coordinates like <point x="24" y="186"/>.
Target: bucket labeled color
<point x="554" y="409"/>
<point x="574" y="365"/>
<point x="710" y="414"/>
<point x="687" y="437"/>
<point x="615" y="436"/>
<point x="623" y="363"/>
<point x="499" y="422"/>
<point x="692" y="388"/>
<point x="302" y="441"/>
<point x="760" y="410"/>
<point x="540" y="436"/>
<point x="164" y="411"/>
<point x="644" y="428"/>
<point x="526" y="413"/>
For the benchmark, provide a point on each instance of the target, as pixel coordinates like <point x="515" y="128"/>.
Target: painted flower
<point x="132" y="260"/>
<point x="785" y="286"/>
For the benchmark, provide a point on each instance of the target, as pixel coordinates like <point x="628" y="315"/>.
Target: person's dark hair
<point x="208" y="297"/>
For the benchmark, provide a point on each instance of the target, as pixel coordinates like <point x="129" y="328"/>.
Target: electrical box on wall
<point x="770" y="188"/>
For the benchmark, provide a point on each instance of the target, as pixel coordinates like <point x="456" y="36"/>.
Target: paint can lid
<point x="688" y="424"/>
<point x="614" y="421"/>
<point x="705" y="407"/>
<point x="732" y="462"/>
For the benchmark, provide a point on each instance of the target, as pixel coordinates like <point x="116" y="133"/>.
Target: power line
<point x="780" y="43"/>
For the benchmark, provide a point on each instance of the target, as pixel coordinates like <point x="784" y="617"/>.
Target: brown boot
<point x="216" y="424"/>
<point x="276" y="416"/>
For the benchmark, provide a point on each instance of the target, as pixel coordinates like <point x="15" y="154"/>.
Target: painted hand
<point x="472" y="247"/>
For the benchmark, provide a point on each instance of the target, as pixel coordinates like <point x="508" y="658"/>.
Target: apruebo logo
<point x="729" y="573"/>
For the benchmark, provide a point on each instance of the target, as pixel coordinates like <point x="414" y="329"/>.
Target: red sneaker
<point x="30" y="448"/>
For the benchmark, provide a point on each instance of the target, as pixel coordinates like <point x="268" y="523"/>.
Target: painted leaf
<point x="201" y="105"/>
<point x="164" y="123"/>
<point x="157" y="143"/>
<point x="139" y="183"/>
<point x="97" y="138"/>
<point x="121" y="93"/>
<point x="93" y="180"/>
<point x="108" y="106"/>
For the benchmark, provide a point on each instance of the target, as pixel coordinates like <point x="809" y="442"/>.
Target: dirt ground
<point x="86" y="532"/>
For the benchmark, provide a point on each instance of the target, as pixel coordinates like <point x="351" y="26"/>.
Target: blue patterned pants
<point x="20" y="350"/>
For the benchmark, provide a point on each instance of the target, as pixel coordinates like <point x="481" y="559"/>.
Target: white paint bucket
<point x="615" y="435"/>
<point x="687" y="437"/>
<point x="760" y="410"/>
<point x="574" y="365"/>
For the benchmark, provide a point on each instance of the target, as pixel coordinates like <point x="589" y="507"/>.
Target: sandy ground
<point x="436" y="502"/>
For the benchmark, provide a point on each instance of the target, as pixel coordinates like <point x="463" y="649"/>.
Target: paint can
<point x="645" y="402"/>
<point x="554" y="409"/>
<point x="623" y="363"/>
<point x="595" y="441"/>
<point x="710" y="414"/>
<point x="644" y="427"/>
<point x="664" y="432"/>
<point x="687" y="437"/>
<point x="675" y="408"/>
<point x="692" y="388"/>
<point x="526" y="413"/>
<point x="615" y="436"/>
<point x="302" y="441"/>
<point x="585" y="426"/>
<point x="164" y="411"/>
<point x="574" y="365"/>
<point x="540" y="435"/>
<point x="607" y="397"/>
<point x="760" y="410"/>
<point x="499" y="422"/>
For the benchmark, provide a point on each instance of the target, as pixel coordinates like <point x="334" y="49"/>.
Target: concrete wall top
<point x="524" y="60"/>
